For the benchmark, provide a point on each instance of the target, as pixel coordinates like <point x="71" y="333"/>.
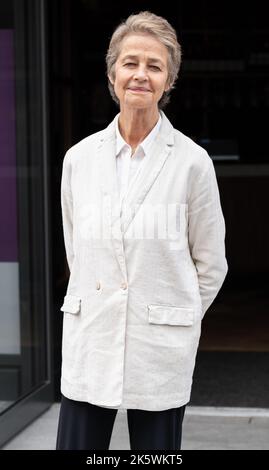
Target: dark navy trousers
<point x="83" y="426"/>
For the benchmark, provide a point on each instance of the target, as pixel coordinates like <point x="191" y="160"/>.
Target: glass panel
<point x="9" y="287"/>
<point x="223" y="92"/>
<point x="23" y="345"/>
<point x="10" y="345"/>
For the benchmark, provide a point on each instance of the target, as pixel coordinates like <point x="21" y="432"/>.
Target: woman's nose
<point x="141" y="73"/>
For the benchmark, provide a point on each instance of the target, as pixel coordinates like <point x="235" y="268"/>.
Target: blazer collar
<point x="166" y="129"/>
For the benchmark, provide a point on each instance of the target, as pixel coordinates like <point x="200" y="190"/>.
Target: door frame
<point x="32" y="143"/>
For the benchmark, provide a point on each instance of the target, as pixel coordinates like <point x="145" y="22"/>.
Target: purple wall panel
<point x="8" y="195"/>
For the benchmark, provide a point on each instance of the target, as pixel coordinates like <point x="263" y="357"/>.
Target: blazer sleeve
<point x="67" y="209"/>
<point x="206" y="232"/>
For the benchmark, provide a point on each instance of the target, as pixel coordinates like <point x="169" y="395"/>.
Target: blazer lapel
<point x="121" y="215"/>
<point x="111" y="222"/>
<point x="108" y="174"/>
<point x="141" y="185"/>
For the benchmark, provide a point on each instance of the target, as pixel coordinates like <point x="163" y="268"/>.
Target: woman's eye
<point x="155" y="67"/>
<point x="133" y="64"/>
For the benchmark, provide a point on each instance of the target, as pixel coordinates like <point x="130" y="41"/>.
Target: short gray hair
<point x="156" y="26"/>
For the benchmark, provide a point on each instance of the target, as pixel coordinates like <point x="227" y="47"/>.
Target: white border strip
<point x="226" y="411"/>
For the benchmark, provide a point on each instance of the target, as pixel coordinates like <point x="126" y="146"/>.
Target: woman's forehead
<point x="136" y="44"/>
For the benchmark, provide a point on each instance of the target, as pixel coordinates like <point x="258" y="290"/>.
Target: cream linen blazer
<point x="142" y="273"/>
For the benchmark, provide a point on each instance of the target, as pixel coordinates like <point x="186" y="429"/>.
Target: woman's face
<point x="141" y="72"/>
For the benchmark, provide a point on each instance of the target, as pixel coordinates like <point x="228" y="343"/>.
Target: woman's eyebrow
<point x="135" y="57"/>
<point x="129" y="56"/>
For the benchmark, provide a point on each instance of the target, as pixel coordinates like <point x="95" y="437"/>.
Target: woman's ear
<point x="167" y="86"/>
<point x="111" y="80"/>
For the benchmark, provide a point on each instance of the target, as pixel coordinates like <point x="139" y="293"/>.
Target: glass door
<point x="25" y="364"/>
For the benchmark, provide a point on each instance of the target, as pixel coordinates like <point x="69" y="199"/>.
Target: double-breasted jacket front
<point x="142" y="272"/>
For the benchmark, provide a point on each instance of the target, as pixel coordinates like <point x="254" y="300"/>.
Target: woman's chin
<point x="138" y="102"/>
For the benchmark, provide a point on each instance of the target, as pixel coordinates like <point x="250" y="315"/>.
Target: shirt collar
<point x="145" y="144"/>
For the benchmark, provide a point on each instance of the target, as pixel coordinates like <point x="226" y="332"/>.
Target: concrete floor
<point x="203" y="429"/>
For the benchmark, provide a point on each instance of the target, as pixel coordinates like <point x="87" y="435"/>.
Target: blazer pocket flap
<point x="71" y="304"/>
<point x="168" y="315"/>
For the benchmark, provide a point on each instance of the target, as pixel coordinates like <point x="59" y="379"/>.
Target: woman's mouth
<point x="139" y="89"/>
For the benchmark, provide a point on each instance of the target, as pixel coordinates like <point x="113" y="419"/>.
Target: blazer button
<point x="98" y="285"/>
<point x="124" y="285"/>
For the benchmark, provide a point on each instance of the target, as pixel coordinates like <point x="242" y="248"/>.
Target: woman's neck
<point x="136" y="124"/>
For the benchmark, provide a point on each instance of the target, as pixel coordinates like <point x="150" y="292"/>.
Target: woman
<point x="139" y="284"/>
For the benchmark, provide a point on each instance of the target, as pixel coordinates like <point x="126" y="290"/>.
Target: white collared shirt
<point x="128" y="166"/>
